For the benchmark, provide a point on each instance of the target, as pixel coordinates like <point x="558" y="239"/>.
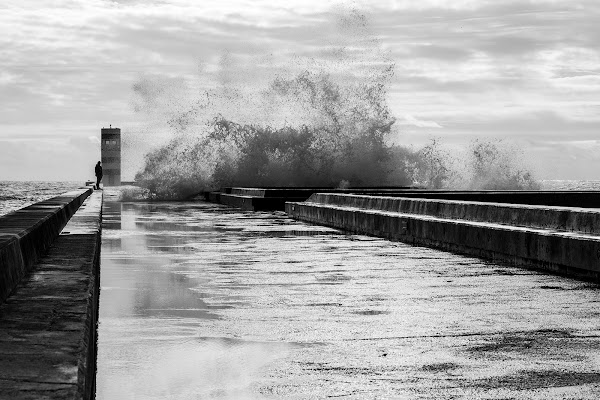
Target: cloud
<point x="7" y="78"/>
<point x="87" y="144"/>
<point x="474" y="67"/>
<point x="51" y="159"/>
<point x="541" y="122"/>
<point x="411" y="120"/>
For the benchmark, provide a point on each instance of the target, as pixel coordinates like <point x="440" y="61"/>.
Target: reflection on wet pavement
<point x="200" y="302"/>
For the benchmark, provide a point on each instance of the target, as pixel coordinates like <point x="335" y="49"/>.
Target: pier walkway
<point x="203" y="301"/>
<point x="48" y="320"/>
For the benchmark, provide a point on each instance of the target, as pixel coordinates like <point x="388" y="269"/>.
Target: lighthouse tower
<point x="111" y="156"/>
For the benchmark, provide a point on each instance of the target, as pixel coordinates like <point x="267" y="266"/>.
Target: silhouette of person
<point x="98" y="171"/>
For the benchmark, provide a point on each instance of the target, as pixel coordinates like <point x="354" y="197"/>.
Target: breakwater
<point x="556" y="231"/>
<point x="270" y="199"/>
<point x="26" y="234"/>
<point x="561" y="198"/>
<point x="266" y="199"/>
<point x="50" y="285"/>
<point x="564" y="240"/>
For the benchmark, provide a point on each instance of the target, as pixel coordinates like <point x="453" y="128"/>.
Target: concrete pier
<point x="26" y="234"/>
<point x="48" y="323"/>
<point x="559" y="239"/>
<point x="204" y="301"/>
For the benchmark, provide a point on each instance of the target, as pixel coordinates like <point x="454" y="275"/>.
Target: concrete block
<point x="556" y="239"/>
<point x="26" y="234"/>
<point x="558" y="218"/>
<point x="255" y="203"/>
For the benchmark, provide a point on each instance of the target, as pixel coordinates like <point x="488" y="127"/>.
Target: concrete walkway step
<point x="574" y="254"/>
<point x="48" y="323"/>
<point x="585" y="220"/>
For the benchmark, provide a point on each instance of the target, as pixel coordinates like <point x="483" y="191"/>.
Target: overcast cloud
<point x="526" y="70"/>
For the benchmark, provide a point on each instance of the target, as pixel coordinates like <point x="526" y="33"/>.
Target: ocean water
<point x="15" y="195"/>
<point x="563" y="184"/>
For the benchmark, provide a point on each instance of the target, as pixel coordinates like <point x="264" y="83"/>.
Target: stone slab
<point x="576" y="219"/>
<point x="48" y="323"/>
<point x="26" y="234"/>
<point x="568" y="253"/>
<point x="586" y="199"/>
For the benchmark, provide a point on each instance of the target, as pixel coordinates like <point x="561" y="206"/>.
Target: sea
<point x="17" y="194"/>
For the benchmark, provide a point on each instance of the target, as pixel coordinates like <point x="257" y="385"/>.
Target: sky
<point x="523" y="71"/>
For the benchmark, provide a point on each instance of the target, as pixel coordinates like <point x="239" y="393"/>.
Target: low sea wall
<point x="559" y="239"/>
<point x="48" y="323"/>
<point x="560" y="198"/>
<point x="26" y="234"/>
<point x="274" y="198"/>
<point x="253" y="203"/>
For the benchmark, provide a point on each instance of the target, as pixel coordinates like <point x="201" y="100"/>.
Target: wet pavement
<point x="199" y="301"/>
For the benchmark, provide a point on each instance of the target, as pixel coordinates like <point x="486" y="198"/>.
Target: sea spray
<point x="485" y="164"/>
<point x="497" y="164"/>
<point x="312" y="122"/>
<point x="434" y="167"/>
<point x="320" y="125"/>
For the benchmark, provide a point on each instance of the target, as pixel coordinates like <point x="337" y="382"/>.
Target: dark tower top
<point x="108" y="131"/>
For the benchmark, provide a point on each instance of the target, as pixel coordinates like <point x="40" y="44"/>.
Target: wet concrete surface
<point x="47" y="335"/>
<point x="199" y="301"/>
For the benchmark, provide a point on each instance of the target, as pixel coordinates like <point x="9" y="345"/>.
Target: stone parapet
<point x="584" y="220"/>
<point x="26" y="234"/>
<point x="48" y="323"/>
<point x="556" y="239"/>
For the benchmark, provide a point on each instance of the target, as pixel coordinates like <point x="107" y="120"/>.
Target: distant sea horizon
<point x="15" y="195"/>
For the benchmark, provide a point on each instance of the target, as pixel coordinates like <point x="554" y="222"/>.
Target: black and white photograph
<point x="303" y="200"/>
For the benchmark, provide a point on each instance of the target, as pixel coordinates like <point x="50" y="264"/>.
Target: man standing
<point x="98" y="171"/>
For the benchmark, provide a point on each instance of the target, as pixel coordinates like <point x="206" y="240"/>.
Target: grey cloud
<point x="574" y="72"/>
<point x="84" y="143"/>
<point x="442" y="52"/>
<point x="546" y="124"/>
<point x="512" y="45"/>
<point x="179" y="45"/>
<point x="461" y="84"/>
<point x="426" y="84"/>
<point x="504" y="29"/>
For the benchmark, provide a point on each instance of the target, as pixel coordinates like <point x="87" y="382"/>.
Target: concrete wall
<point x="253" y="203"/>
<point x="48" y="323"/>
<point x="270" y="199"/>
<point x="550" y="238"/>
<point x="26" y="234"/>
<point x="304" y="192"/>
<point x="544" y="217"/>
<point x="586" y="199"/>
<point x="581" y="199"/>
